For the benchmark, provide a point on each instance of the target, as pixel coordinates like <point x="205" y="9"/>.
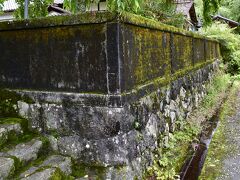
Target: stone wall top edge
<point x="58" y="21"/>
<point x="96" y="18"/>
<point x="141" y="21"/>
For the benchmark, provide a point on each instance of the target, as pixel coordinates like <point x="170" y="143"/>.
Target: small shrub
<point x="229" y="42"/>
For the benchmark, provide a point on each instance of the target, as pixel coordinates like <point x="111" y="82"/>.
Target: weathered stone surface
<point x="155" y="114"/>
<point x="52" y="142"/>
<point x="54" y="161"/>
<point x="23" y="109"/>
<point x="26" y="152"/>
<point x="12" y="127"/>
<point x="86" y="122"/>
<point x="45" y="174"/>
<point x="106" y="136"/>
<point x="118" y="150"/>
<point x="6" y="129"/>
<point x="127" y="172"/>
<point x="88" y="177"/>
<point x="152" y="127"/>
<point x="58" y="161"/>
<point x="9" y="130"/>
<point x="84" y="178"/>
<point x="28" y="172"/>
<point x="6" y="167"/>
<point x="120" y="85"/>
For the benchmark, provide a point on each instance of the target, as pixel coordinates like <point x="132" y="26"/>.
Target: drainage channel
<point x="192" y="169"/>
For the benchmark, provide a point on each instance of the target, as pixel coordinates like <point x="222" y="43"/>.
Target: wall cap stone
<point x="96" y="18"/>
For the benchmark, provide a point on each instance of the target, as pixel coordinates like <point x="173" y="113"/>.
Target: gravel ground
<point x="231" y="163"/>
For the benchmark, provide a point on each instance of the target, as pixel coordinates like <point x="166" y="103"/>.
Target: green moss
<point x="78" y="170"/>
<point x="8" y="103"/>
<point x="166" y="80"/>
<point x="21" y="121"/>
<point x="170" y="158"/>
<point x="81" y="170"/>
<point x="8" y="138"/>
<point x="217" y="151"/>
<point x="219" y="84"/>
<point x="96" y="17"/>
<point x="11" y="138"/>
<point x="59" y="175"/>
<point x="42" y="155"/>
<point x="81" y="18"/>
<point x="17" y="163"/>
<point x="152" y="24"/>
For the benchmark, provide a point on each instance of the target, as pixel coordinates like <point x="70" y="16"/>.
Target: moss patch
<point x="95" y="17"/>
<point x="10" y="120"/>
<point x="8" y="103"/>
<point x="59" y="175"/>
<point x="170" y="159"/>
<point x="11" y="138"/>
<point x="217" y="151"/>
<point x="82" y="170"/>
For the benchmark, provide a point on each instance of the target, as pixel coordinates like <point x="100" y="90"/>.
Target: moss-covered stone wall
<point x="98" y="53"/>
<point x="60" y="58"/>
<point x="149" y="54"/>
<point x="125" y="83"/>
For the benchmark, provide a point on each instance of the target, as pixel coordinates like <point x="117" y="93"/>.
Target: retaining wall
<point x="109" y="85"/>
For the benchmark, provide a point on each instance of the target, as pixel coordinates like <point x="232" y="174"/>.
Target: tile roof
<point x="231" y="22"/>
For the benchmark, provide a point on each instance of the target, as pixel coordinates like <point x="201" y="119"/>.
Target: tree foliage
<point x="230" y="9"/>
<point x="210" y="7"/>
<point x="164" y="11"/>
<point x="113" y="5"/>
<point x="1" y="4"/>
<point x="230" y="41"/>
<point x="37" y="8"/>
<point x="206" y="8"/>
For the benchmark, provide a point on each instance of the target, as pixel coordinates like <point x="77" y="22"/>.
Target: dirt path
<point x="231" y="162"/>
<point x="223" y="156"/>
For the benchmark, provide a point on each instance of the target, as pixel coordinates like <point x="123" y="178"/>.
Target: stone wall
<point x="107" y="86"/>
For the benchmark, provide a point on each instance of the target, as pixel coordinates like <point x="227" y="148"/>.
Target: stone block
<point x="27" y="152"/>
<point x="6" y="167"/>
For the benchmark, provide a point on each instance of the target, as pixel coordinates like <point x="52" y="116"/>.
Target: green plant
<point x="230" y="9"/>
<point x="8" y="103"/>
<point x="164" y="11"/>
<point x="161" y="10"/>
<point x="37" y="8"/>
<point x="125" y="5"/>
<point x="218" y="85"/>
<point x="170" y="157"/>
<point x="112" y="5"/>
<point x="205" y="8"/>
<point x="229" y="41"/>
<point x="1" y="4"/>
<point x="213" y="166"/>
